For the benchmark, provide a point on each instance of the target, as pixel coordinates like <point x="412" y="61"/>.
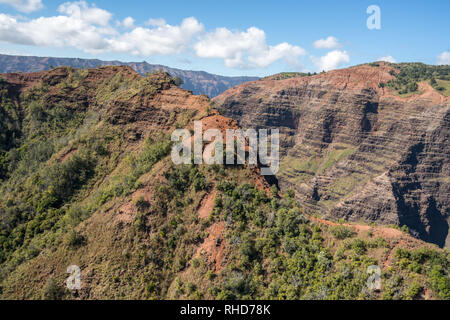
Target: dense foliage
<point x="288" y="75"/>
<point x="53" y="151"/>
<point x="79" y="185"/>
<point x="408" y="76"/>
<point x="280" y="254"/>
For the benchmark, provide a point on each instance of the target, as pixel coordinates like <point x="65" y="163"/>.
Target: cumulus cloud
<point x="26" y="6"/>
<point x="161" y="40"/>
<point x="387" y="59"/>
<point x="245" y="49"/>
<point x="444" y="58"/>
<point x="156" y="22"/>
<point x="79" y="26"/>
<point x="128" y="22"/>
<point x="328" y="43"/>
<point x="332" y="60"/>
<point x="88" y="28"/>
<point x="82" y="11"/>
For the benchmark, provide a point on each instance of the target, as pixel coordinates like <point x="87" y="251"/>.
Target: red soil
<point x="207" y="205"/>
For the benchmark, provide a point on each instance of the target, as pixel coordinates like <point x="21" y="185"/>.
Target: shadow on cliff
<point x="438" y="231"/>
<point x="431" y="227"/>
<point x="423" y="218"/>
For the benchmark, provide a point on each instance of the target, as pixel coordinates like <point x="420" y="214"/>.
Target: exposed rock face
<point x="353" y="150"/>
<point x="199" y="82"/>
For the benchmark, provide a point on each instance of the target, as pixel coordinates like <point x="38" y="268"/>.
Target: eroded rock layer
<point x="354" y="150"/>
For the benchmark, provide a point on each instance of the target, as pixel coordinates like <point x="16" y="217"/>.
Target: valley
<point x="353" y="149"/>
<point x="87" y="180"/>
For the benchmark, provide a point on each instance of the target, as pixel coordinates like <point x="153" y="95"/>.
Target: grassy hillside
<point x="86" y="179"/>
<point x="408" y="76"/>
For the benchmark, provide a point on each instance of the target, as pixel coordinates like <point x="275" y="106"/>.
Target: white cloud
<point x="91" y="29"/>
<point x="128" y="22"/>
<point x="88" y="28"/>
<point x="156" y="22"/>
<point x="82" y="11"/>
<point x="387" y="59"/>
<point x="328" y="43"/>
<point x="51" y="32"/>
<point x="444" y="58"/>
<point x="332" y="60"/>
<point x="26" y="6"/>
<point x="283" y="51"/>
<point x="245" y="49"/>
<point x="78" y="26"/>
<point x="160" y="40"/>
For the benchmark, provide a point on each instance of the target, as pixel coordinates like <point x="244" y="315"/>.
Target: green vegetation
<point x="81" y="184"/>
<point x="288" y="75"/>
<point x="42" y="188"/>
<point x="443" y="86"/>
<point x="410" y="74"/>
<point x="278" y="254"/>
<point x="427" y="262"/>
<point x="298" y="168"/>
<point x="337" y="155"/>
<point x="342" y="232"/>
<point x="178" y="81"/>
<point x="52" y="291"/>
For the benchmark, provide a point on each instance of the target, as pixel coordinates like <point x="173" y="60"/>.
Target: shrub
<point x="179" y="178"/>
<point x="405" y="229"/>
<point x="139" y="222"/>
<point x="142" y="205"/>
<point x="195" y="263"/>
<point x="359" y="246"/>
<point x="341" y="232"/>
<point x="178" y="81"/>
<point x="290" y="193"/>
<point x="66" y="178"/>
<point x="226" y="187"/>
<point x="75" y="239"/>
<point x="440" y="282"/>
<point x="199" y="182"/>
<point x="411" y="73"/>
<point x="52" y="291"/>
<point x="413" y="291"/>
<point x="190" y="287"/>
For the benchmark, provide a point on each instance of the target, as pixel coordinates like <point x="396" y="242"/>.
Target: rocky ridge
<point x="353" y="149"/>
<point x="199" y="82"/>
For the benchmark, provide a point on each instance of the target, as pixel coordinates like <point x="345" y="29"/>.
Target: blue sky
<point x="256" y="37"/>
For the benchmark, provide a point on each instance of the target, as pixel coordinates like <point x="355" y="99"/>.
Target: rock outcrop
<point x="353" y="149"/>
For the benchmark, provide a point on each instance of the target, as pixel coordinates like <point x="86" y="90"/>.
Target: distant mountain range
<point x="199" y="82"/>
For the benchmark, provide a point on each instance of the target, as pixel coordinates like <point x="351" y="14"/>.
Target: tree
<point x="178" y="81"/>
<point x="433" y="82"/>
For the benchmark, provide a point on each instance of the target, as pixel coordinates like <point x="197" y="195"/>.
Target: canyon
<point x="86" y="180"/>
<point x="353" y="149"/>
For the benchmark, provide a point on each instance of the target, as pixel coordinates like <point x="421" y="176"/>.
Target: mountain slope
<point x="88" y="181"/>
<point x="354" y="148"/>
<point x="199" y="82"/>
